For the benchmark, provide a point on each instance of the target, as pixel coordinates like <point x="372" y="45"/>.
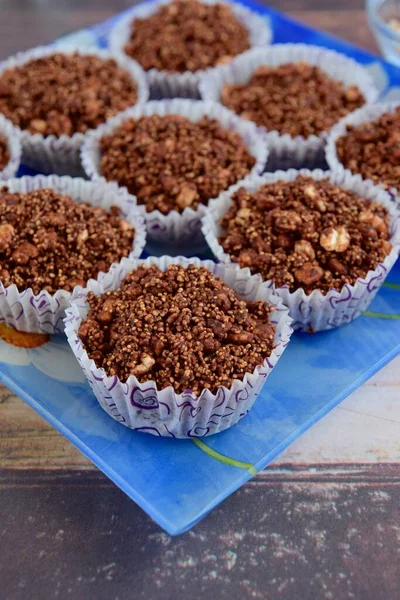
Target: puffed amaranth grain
<point x="182" y="327"/>
<point x="294" y="98"/>
<point x="49" y="242"/>
<point x="306" y="234"/>
<point x="171" y="163"/>
<point x="373" y="149"/>
<point x="187" y="36"/>
<point x="65" y="93"/>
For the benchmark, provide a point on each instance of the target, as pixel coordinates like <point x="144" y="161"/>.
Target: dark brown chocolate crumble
<point x="306" y="234"/>
<point x="373" y="149"/>
<point x="65" y="94"/>
<point x="183" y="328"/>
<point x="4" y="153"/>
<point x="171" y="163"/>
<point x="294" y="98"/>
<point x="49" y="242"/>
<point x="187" y="36"/>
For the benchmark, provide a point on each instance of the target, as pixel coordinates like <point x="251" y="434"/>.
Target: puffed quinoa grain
<point x="49" y="242"/>
<point x="373" y="149"/>
<point x="65" y="93"/>
<point x="306" y="234"/>
<point x="182" y="327"/>
<point x="294" y="98"/>
<point x="187" y="36"/>
<point x="171" y="163"/>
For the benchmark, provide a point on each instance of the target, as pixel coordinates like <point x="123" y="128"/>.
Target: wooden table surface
<point x="323" y="522"/>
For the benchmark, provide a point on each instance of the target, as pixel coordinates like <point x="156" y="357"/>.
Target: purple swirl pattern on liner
<point x="114" y="383"/>
<point x="336" y="299"/>
<point x="193" y="410"/>
<point x="305" y="310"/>
<point x="17" y="310"/>
<point x="116" y="414"/>
<point x="220" y="398"/>
<point x="376" y="281"/>
<point x="152" y="430"/>
<point x="145" y="399"/>
<point x="198" y="431"/>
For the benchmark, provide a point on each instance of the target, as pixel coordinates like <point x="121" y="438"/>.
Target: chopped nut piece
<point x="309" y="274"/>
<point x="206" y="345"/>
<point x="145" y="366"/>
<point x="305" y="248"/>
<point x="6" y="235"/>
<point x="335" y="240"/>
<point x="186" y="196"/>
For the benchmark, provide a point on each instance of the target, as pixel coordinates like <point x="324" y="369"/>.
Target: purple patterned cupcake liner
<point x="164" y="84"/>
<point x="61" y="155"/>
<point x="316" y="311"/>
<point x="10" y="133"/>
<point x="177" y="228"/>
<point x="44" y="312"/>
<point x="287" y="151"/>
<point x="141" y="406"/>
<point x="362" y="115"/>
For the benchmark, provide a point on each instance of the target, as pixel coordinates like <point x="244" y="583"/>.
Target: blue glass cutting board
<point x="177" y="482"/>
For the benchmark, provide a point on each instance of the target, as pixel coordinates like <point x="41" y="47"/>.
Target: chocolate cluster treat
<point x="373" y="149"/>
<point x="171" y="163"/>
<point x="186" y="35"/>
<point x="49" y="242"/>
<point x="294" y="98"/>
<point x="4" y="153"/>
<point x="306" y="234"/>
<point x="65" y="94"/>
<point x="182" y="327"/>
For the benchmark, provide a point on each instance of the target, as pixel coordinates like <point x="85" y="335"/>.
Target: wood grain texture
<point x="321" y="523"/>
<point x="75" y="535"/>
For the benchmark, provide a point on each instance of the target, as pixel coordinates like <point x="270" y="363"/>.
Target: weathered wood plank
<point x="79" y="536"/>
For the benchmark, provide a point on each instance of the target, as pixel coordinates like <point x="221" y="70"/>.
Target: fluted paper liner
<point x="10" y="133"/>
<point x="175" y="227"/>
<point x="164" y="84"/>
<point x="287" y="151"/>
<point x="61" y="155"/>
<point x="316" y="311"/>
<point x="362" y="115"/>
<point x="143" y="407"/>
<point x="44" y="312"/>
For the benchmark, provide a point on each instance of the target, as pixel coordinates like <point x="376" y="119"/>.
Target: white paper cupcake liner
<point x="141" y="406"/>
<point x="164" y="84"/>
<point x="317" y="311"/>
<point x="60" y="155"/>
<point x="173" y="228"/>
<point x="287" y="151"/>
<point x="362" y="115"/>
<point x="44" y="312"/>
<point x="9" y="132"/>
